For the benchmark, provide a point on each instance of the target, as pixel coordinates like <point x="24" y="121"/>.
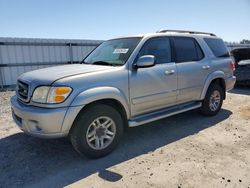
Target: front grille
<point x="23" y="90"/>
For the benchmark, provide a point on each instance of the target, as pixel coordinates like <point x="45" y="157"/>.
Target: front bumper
<point x="230" y="82"/>
<point x="43" y="122"/>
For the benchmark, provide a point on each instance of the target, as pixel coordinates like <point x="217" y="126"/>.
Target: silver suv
<point x="124" y="82"/>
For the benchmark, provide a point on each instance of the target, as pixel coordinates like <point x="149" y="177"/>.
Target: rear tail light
<point x="232" y="66"/>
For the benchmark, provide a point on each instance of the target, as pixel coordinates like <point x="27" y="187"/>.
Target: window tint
<point x="187" y="49"/>
<point x="158" y="47"/>
<point x="217" y="46"/>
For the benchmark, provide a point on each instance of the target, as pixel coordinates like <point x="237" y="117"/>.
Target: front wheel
<point x="97" y="131"/>
<point x="212" y="103"/>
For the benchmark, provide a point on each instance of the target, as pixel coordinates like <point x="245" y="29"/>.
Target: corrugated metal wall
<point x="19" y="55"/>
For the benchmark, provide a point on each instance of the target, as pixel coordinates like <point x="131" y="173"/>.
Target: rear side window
<point x="187" y="49"/>
<point x="217" y="46"/>
<point x="159" y="47"/>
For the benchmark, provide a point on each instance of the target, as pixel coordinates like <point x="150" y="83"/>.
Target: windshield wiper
<point x="101" y="63"/>
<point x="106" y="63"/>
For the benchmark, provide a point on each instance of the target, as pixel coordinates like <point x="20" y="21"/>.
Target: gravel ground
<point x="186" y="150"/>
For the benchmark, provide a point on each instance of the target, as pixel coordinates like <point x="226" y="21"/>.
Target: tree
<point x="245" y="41"/>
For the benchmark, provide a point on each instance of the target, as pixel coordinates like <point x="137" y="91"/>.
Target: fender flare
<point x="98" y="93"/>
<point x="209" y="79"/>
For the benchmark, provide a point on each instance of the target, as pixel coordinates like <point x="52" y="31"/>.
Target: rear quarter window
<point x="217" y="46"/>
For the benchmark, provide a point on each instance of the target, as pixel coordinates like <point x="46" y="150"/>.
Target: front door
<point x="155" y="87"/>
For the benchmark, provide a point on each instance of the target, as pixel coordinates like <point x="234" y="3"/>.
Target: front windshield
<point x="113" y="52"/>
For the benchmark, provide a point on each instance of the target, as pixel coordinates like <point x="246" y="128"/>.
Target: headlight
<point x="46" y="94"/>
<point x="40" y="94"/>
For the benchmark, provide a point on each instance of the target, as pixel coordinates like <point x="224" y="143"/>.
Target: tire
<point x="91" y="121"/>
<point x="206" y="108"/>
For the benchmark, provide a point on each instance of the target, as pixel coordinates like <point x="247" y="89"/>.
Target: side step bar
<point x="153" y="116"/>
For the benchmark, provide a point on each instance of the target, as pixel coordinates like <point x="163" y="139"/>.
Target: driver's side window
<point x="159" y="47"/>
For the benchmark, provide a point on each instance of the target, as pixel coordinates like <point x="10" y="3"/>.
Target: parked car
<point x="124" y="82"/>
<point x="242" y="66"/>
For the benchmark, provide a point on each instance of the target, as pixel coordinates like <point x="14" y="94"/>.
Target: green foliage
<point x="245" y="41"/>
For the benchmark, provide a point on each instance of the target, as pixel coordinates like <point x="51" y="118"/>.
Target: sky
<point x="105" y="19"/>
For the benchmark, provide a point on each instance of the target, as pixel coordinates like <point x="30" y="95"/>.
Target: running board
<point x="153" y="116"/>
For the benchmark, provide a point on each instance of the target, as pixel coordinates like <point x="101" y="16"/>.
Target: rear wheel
<point x="212" y="103"/>
<point x="97" y="131"/>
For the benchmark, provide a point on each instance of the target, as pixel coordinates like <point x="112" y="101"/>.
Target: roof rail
<point x="183" y="31"/>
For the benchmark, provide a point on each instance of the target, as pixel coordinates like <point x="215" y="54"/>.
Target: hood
<point x="47" y="76"/>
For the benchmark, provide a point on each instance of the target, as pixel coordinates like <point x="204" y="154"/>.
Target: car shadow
<point x="28" y="161"/>
<point x="242" y="90"/>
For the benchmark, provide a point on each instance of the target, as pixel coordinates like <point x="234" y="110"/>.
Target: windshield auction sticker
<point x="120" y="50"/>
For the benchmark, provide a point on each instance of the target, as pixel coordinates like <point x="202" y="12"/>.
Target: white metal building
<point x="19" y="55"/>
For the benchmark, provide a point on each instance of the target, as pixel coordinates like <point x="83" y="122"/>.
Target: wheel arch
<point x="110" y="95"/>
<point x="217" y="77"/>
<point x="101" y="95"/>
<point x="110" y="102"/>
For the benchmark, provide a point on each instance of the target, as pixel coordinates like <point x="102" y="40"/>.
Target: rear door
<point x="192" y="68"/>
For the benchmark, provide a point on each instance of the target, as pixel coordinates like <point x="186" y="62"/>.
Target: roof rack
<point x="183" y="31"/>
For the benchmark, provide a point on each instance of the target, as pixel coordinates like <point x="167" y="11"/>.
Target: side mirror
<point x="145" y="61"/>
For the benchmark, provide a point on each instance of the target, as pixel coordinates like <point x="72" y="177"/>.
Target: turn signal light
<point x="59" y="98"/>
<point x="62" y="90"/>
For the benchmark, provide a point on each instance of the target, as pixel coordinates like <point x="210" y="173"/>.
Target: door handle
<point x="169" y="72"/>
<point x="205" y="67"/>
